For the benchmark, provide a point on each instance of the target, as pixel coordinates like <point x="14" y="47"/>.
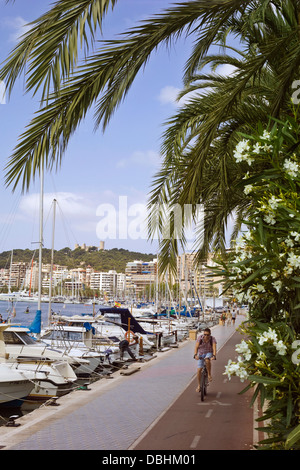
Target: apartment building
<point x="197" y="279"/>
<point x="139" y="275"/>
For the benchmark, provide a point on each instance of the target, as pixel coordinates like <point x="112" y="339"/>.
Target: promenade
<point x="119" y="413"/>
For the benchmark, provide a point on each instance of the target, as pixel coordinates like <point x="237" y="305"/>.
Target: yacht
<point x="50" y="373"/>
<point x="75" y="340"/>
<point x="14" y="386"/>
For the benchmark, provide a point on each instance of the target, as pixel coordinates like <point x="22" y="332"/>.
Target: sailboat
<point x="53" y="376"/>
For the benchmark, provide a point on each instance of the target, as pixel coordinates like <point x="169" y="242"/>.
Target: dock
<point x="116" y="412"/>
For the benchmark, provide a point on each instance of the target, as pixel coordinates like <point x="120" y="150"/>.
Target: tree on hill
<point x="103" y="260"/>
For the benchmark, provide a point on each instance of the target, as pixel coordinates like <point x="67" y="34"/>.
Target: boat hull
<point x="13" y="393"/>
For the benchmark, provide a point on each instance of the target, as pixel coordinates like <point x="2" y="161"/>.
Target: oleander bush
<point x="263" y="270"/>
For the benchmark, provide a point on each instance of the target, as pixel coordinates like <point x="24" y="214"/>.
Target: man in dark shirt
<point x="205" y="350"/>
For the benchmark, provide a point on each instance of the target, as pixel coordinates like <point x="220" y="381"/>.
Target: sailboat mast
<point x="10" y="269"/>
<point x="41" y="239"/>
<point x="35" y="326"/>
<point x="52" y="260"/>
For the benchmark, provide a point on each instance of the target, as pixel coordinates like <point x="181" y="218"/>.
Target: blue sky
<point x="97" y="169"/>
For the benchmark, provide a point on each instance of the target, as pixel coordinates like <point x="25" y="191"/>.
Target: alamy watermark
<point x="296" y="354"/>
<point x="138" y="221"/>
<point x="296" y="94"/>
<point x="2" y="92"/>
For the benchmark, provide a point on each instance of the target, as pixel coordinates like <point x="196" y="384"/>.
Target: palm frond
<point x="49" y="49"/>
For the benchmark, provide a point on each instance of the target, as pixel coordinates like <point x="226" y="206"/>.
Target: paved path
<point x="115" y="413"/>
<point x="223" y="421"/>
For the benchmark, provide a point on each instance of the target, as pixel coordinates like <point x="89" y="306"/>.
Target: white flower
<point x="266" y="135"/>
<point x="281" y="347"/>
<point x="267" y="147"/>
<point x="269" y="218"/>
<point x="269" y="335"/>
<point x="289" y="242"/>
<point x="257" y="148"/>
<point x="242" y="374"/>
<point x="231" y="368"/>
<point x="243" y="145"/>
<point x="296" y="235"/>
<point x="262" y="356"/>
<point x="239" y="152"/>
<point x="244" y="349"/>
<point x="273" y="202"/>
<point x="277" y="285"/>
<point x="294" y="260"/>
<point x="260" y="288"/>
<point x="236" y="368"/>
<point x="291" y="168"/>
<point x="248" y="188"/>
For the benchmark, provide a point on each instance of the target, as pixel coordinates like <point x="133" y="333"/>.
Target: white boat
<point x="50" y="376"/>
<point x="103" y="333"/>
<point x="14" y="386"/>
<point x="155" y="332"/>
<point x="75" y="341"/>
<point x="20" y="345"/>
<point x="52" y="379"/>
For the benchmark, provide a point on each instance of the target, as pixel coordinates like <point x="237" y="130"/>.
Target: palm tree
<point x="204" y="131"/>
<point x="214" y="179"/>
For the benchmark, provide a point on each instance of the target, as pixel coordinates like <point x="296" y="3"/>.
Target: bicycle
<point x="203" y="382"/>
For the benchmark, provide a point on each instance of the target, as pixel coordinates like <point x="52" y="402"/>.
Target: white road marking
<point x="195" y="442"/>
<point x="208" y="414"/>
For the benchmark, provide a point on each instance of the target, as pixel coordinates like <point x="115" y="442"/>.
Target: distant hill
<point x="102" y="260"/>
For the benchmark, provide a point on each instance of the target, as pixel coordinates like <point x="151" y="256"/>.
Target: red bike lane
<point x="223" y="421"/>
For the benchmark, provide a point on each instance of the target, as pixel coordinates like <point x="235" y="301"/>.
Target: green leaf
<point x="264" y="380"/>
<point x="293" y="437"/>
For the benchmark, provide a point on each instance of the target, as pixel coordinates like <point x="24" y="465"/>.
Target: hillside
<point x="103" y="260"/>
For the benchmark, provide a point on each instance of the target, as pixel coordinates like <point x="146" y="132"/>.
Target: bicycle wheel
<point x="203" y="383"/>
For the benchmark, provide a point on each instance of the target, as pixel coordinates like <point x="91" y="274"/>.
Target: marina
<point x="78" y="348"/>
<point x="117" y="413"/>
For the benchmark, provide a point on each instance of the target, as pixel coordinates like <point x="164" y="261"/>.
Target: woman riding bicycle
<point x="205" y="350"/>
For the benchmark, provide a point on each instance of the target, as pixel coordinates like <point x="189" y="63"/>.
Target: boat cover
<point x="125" y="314"/>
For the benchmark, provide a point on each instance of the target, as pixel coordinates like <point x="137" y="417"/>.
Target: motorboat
<point x="75" y="341"/>
<point x="21" y="345"/>
<point x="14" y="386"/>
<point x="104" y="332"/>
<point x="155" y="333"/>
<point x="50" y="377"/>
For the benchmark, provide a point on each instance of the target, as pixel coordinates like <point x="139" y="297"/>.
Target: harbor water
<point x="23" y="313"/>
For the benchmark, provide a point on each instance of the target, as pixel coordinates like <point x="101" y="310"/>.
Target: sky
<point x="104" y="176"/>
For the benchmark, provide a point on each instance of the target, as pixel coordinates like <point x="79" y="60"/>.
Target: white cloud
<point x="86" y="217"/>
<point x="142" y="159"/>
<point x="18" y="25"/>
<point x="71" y="204"/>
<point x="226" y="70"/>
<point x="169" y="95"/>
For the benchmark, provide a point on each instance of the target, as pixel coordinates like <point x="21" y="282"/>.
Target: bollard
<point x="141" y="347"/>
<point x="11" y="421"/>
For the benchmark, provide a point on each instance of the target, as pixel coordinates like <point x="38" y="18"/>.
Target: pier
<point x="146" y="408"/>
